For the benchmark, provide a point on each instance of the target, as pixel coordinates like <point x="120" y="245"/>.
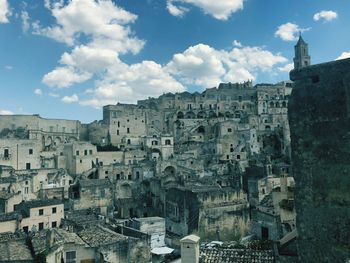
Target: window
<point x="54" y="224"/>
<point x="85" y="152"/>
<point x="117" y="132"/>
<point x="25" y="229"/>
<point x="167" y="142"/>
<point x="26" y="190"/>
<point x="41" y="226"/>
<point x="127" y="130"/>
<point x="41" y="212"/>
<point x="81" y="161"/>
<point x="229" y="130"/>
<point x="128" y="142"/>
<point x="6" y="153"/>
<point x="30" y="151"/>
<point x="54" y="210"/>
<point x="76" y="152"/>
<point x="71" y="257"/>
<point x="118" y="124"/>
<point x="90" y="152"/>
<point x="238" y="157"/>
<point x="51" y="128"/>
<point x="27" y="166"/>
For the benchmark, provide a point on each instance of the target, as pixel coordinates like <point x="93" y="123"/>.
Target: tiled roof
<point x="98" y="235"/>
<point x="219" y="255"/>
<point x="94" y="182"/>
<point x="15" y="251"/>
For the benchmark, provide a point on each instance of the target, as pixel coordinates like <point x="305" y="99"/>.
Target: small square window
<point x="54" y="224"/>
<point x="54" y="210"/>
<point x="41" y="212"/>
<point x="30" y="151"/>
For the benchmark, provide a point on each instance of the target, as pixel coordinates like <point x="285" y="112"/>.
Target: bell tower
<point x="302" y="58"/>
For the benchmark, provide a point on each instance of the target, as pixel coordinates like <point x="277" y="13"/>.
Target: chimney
<point x="190" y="249"/>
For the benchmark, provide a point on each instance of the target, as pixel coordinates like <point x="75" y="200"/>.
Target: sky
<point x="67" y="58"/>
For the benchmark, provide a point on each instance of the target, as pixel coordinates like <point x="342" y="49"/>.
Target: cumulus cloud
<point x="109" y="36"/>
<point x="176" y="10"/>
<point x="344" y="55"/>
<point x="219" y="9"/>
<point x="63" y="77"/>
<point x="205" y="66"/>
<point x="102" y="21"/>
<point x="289" y="31"/>
<point x="287" y="68"/>
<point x="128" y="83"/>
<point x="5" y="11"/>
<point x="25" y="21"/>
<point x="6" y="112"/>
<point x="70" y="99"/>
<point x="326" y="16"/>
<point x="38" y="92"/>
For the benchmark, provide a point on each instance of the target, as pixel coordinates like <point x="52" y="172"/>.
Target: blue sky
<point x="65" y="59"/>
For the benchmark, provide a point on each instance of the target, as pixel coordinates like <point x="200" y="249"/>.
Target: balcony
<point x="5" y="157"/>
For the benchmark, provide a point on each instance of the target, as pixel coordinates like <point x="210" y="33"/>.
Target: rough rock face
<point x="319" y="117"/>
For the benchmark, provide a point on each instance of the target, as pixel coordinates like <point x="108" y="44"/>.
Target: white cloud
<point x="54" y="95"/>
<point x="287" y="68"/>
<point x="25" y="21"/>
<point x="289" y="31"/>
<point x="8" y="67"/>
<point x="219" y="9"/>
<point x="325" y="16"/>
<point x="6" y="112"/>
<point x="344" y="55"/>
<point x="102" y="21"/>
<point x="89" y="59"/>
<point x="70" y="99"/>
<point x="205" y="66"/>
<point x="5" y="11"/>
<point x="63" y="77"/>
<point x="38" y="92"/>
<point x="176" y="10"/>
<point x="236" y="43"/>
<point x="128" y="83"/>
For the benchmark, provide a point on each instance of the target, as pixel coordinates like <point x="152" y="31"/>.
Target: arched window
<point x="167" y="142"/>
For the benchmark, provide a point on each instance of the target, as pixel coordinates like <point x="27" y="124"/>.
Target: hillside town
<point x="202" y="176"/>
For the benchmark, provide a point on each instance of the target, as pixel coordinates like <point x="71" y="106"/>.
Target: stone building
<point x="319" y="123"/>
<point x="40" y="214"/>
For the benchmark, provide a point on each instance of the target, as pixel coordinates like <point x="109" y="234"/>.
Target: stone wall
<point x="319" y="121"/>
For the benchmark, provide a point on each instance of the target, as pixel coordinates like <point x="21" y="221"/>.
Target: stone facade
<point x="319" y="122"/>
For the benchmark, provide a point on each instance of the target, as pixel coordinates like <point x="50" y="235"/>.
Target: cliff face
<point x="319" y="117"/>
